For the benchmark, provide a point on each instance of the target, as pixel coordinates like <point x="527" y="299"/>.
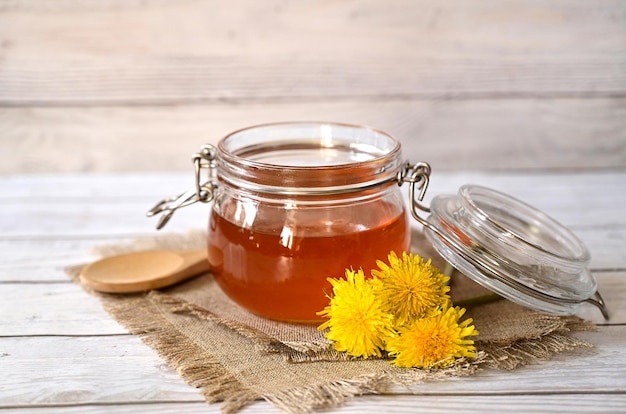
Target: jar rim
<point x="305" y="157"/>
<point x="224" y="151"/>
<point x="572" y="249"/>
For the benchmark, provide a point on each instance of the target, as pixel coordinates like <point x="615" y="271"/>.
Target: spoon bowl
<point x="145" y="270"/>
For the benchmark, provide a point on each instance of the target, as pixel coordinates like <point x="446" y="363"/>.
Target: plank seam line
<point x="99" y="404"/>
<point x="463" y="394"/>
<point x="65" y="335"/>
<point x="513" y="393"/>
<point x="49" y="335"/>
<point x="217" y="100"/>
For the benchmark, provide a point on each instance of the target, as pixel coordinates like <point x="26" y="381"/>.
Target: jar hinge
<point x="418" y="177"/>
<point x="203" y="191"/>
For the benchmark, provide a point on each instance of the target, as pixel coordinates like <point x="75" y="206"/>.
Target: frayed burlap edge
<point x="324" y="396"/>
<point x="197" y="367"/>
<point x="332" y="394"/>
<point x="555" y="339"/>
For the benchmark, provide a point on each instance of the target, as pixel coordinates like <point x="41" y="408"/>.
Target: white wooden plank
<point x="56" y="370"/>
<point x="92" y="218"/>
<point x="541" y="188"/>
<point x="52" y="309"/>
<point x="578" y="201"/>
<point x="65" y="309"/>
<point x="43" y="259"/>
<point x="68" y="215"/>
<point x="400" y="404"/>
<point x="201" y="51"/>
<point x="587" y="196"/>
<point x="212" y="79"/>
<point x="97" y="187"/>
<point x="483" y="134"/>
<point x="48" y="370"/>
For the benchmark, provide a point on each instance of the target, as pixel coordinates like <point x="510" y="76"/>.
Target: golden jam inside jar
<point x="298" y="203"/>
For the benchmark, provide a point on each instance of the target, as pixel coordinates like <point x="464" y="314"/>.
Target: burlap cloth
<point x="237" y="358"/>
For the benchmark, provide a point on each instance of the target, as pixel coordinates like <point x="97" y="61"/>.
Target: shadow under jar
<point x="298" y="203"/>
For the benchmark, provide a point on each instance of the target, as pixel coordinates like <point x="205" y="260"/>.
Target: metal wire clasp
<point x="418" y="177"/>
<point x="203" y="191"/>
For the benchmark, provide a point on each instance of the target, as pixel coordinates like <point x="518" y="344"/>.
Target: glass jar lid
<point x="512" y="249"/>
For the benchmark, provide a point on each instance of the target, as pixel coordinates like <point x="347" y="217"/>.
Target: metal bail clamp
<point x="418" y="177"/>
<point x="203" y="191"/>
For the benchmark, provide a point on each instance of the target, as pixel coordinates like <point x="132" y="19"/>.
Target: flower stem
<point x="475" y="301"/>
<point x="478" y="300"/>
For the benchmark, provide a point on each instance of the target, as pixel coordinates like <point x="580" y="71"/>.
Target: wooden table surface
<point x="102" y="103"/>
<point x="60" y="352"/>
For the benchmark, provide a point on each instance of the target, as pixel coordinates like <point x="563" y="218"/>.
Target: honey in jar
<point x="281" y="272"/>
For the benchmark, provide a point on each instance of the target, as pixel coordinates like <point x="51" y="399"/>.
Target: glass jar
<point x="297" y="203"/>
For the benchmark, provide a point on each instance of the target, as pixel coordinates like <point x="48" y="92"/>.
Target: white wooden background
<point x="103" y="101"/>
<point x="130" y="85"/>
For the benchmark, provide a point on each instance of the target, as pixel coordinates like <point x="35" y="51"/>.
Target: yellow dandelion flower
<point x="410" y="288"/>
<point x="358" y="324"/>
<point x="433" y="342"/>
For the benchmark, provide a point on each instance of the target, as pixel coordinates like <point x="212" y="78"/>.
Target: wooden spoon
<point x="145" y="270"/>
